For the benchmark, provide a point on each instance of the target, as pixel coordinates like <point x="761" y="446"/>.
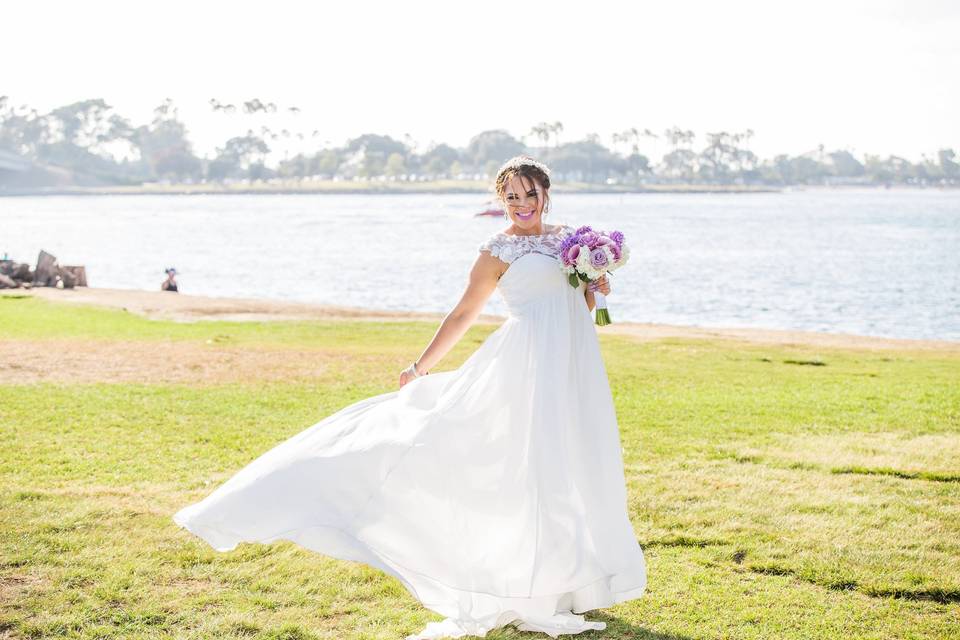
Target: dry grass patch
<point x="71" y="361"/>
<point x="926" y="457"/>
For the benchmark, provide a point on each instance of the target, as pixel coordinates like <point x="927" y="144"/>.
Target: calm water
<point x="873" y="262"/>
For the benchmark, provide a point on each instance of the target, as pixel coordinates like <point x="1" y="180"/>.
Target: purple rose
<point x="566" y="243"/>
<point x="590" y="239"/>
<point x="571" y="254"/>
<point x="598" y="259"/>
<point x="615" y="250"/>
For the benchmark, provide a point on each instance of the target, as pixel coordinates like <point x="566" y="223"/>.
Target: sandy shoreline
<point x="182" y="307"/>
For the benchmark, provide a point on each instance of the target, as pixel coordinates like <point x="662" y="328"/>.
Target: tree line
<point x="95" y="145"/>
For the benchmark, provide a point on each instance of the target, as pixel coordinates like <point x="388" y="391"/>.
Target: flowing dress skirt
<point x="494" y="493"/>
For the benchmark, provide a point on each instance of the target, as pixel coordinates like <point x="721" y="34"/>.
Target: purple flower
<point x="615" y="250"/>
<point x="571" y="254"/>
<point x="598" y="259"/>
<point x="617" y="237"/>
<point x="590" y="239"/>
<point x="583" y="229"/>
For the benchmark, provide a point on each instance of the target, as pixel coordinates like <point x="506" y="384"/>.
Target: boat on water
<point x="491" y="210"/>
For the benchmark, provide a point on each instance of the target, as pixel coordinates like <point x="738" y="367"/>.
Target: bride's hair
<point x="525" y="168"/>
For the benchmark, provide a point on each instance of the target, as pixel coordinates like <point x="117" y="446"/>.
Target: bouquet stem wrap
<point x="603" y="315"/>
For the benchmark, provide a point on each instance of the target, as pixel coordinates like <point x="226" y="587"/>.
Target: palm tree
<point x="556" y="128"/>
<point x="617" y="139"/>
<point x="541" y="132"/>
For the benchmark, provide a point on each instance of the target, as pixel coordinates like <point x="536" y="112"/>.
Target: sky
<point x="879" y="77"/>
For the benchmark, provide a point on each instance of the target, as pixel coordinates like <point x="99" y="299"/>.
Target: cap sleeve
<point x="498" y="246"/>
<point x="491" y="244"/>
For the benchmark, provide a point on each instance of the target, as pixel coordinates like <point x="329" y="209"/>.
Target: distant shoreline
<point x="369" y="188"/>
<point x="180" y="307"/>
<point x="435" y="187"/>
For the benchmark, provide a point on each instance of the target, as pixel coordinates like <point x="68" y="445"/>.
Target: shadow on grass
<point x="932" y="476"/>
<point x="682" y="541"/>
<point x="620" y="629"/>
<point x="933" y="594"/>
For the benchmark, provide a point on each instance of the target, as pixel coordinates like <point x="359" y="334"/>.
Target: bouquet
<point x="588" y="255"/>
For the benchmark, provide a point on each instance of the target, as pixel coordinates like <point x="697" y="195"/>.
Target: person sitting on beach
<point x="170" y="284"/>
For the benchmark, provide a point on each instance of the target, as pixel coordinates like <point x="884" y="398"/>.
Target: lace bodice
<point x="509" y="247"/>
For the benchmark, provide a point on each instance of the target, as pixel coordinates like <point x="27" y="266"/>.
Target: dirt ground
<point x="73" y="361"/>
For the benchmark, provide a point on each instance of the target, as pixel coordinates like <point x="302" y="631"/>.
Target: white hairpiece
<point x="523" y="161"/>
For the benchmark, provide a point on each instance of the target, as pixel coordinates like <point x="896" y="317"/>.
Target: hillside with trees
<point x="89" y="144"/>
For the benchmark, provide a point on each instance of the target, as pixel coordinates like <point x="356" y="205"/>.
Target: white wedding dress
<point x="494" y="493"/>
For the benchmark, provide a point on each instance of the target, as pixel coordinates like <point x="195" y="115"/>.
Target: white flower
<point x="624" y="254"/>
<point x="583" y="260"/>
<point x="585" y="267"/>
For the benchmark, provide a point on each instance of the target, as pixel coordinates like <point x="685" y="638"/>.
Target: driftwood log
<point x="48" y="273"/>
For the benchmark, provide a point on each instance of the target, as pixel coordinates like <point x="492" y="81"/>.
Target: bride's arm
<point x="483" y="281"/>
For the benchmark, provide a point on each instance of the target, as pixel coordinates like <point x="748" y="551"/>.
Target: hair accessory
<point x="523" y="161"/>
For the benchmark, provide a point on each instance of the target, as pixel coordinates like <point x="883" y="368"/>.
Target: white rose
<point x="583" y="263"/>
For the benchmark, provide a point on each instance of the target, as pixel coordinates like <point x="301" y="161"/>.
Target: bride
<point x="494" y="492"/>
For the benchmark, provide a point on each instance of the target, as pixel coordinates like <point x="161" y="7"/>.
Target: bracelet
<point x="412" y="369"/>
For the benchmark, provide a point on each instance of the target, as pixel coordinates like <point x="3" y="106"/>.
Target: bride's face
<point x="523" y="202"/>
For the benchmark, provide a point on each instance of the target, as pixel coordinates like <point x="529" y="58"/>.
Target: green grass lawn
<point x="777" y="492"/>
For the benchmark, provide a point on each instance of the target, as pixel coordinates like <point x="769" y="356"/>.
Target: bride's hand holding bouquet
<point x="587" y="255"/>
<point x="600" y="285"/>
